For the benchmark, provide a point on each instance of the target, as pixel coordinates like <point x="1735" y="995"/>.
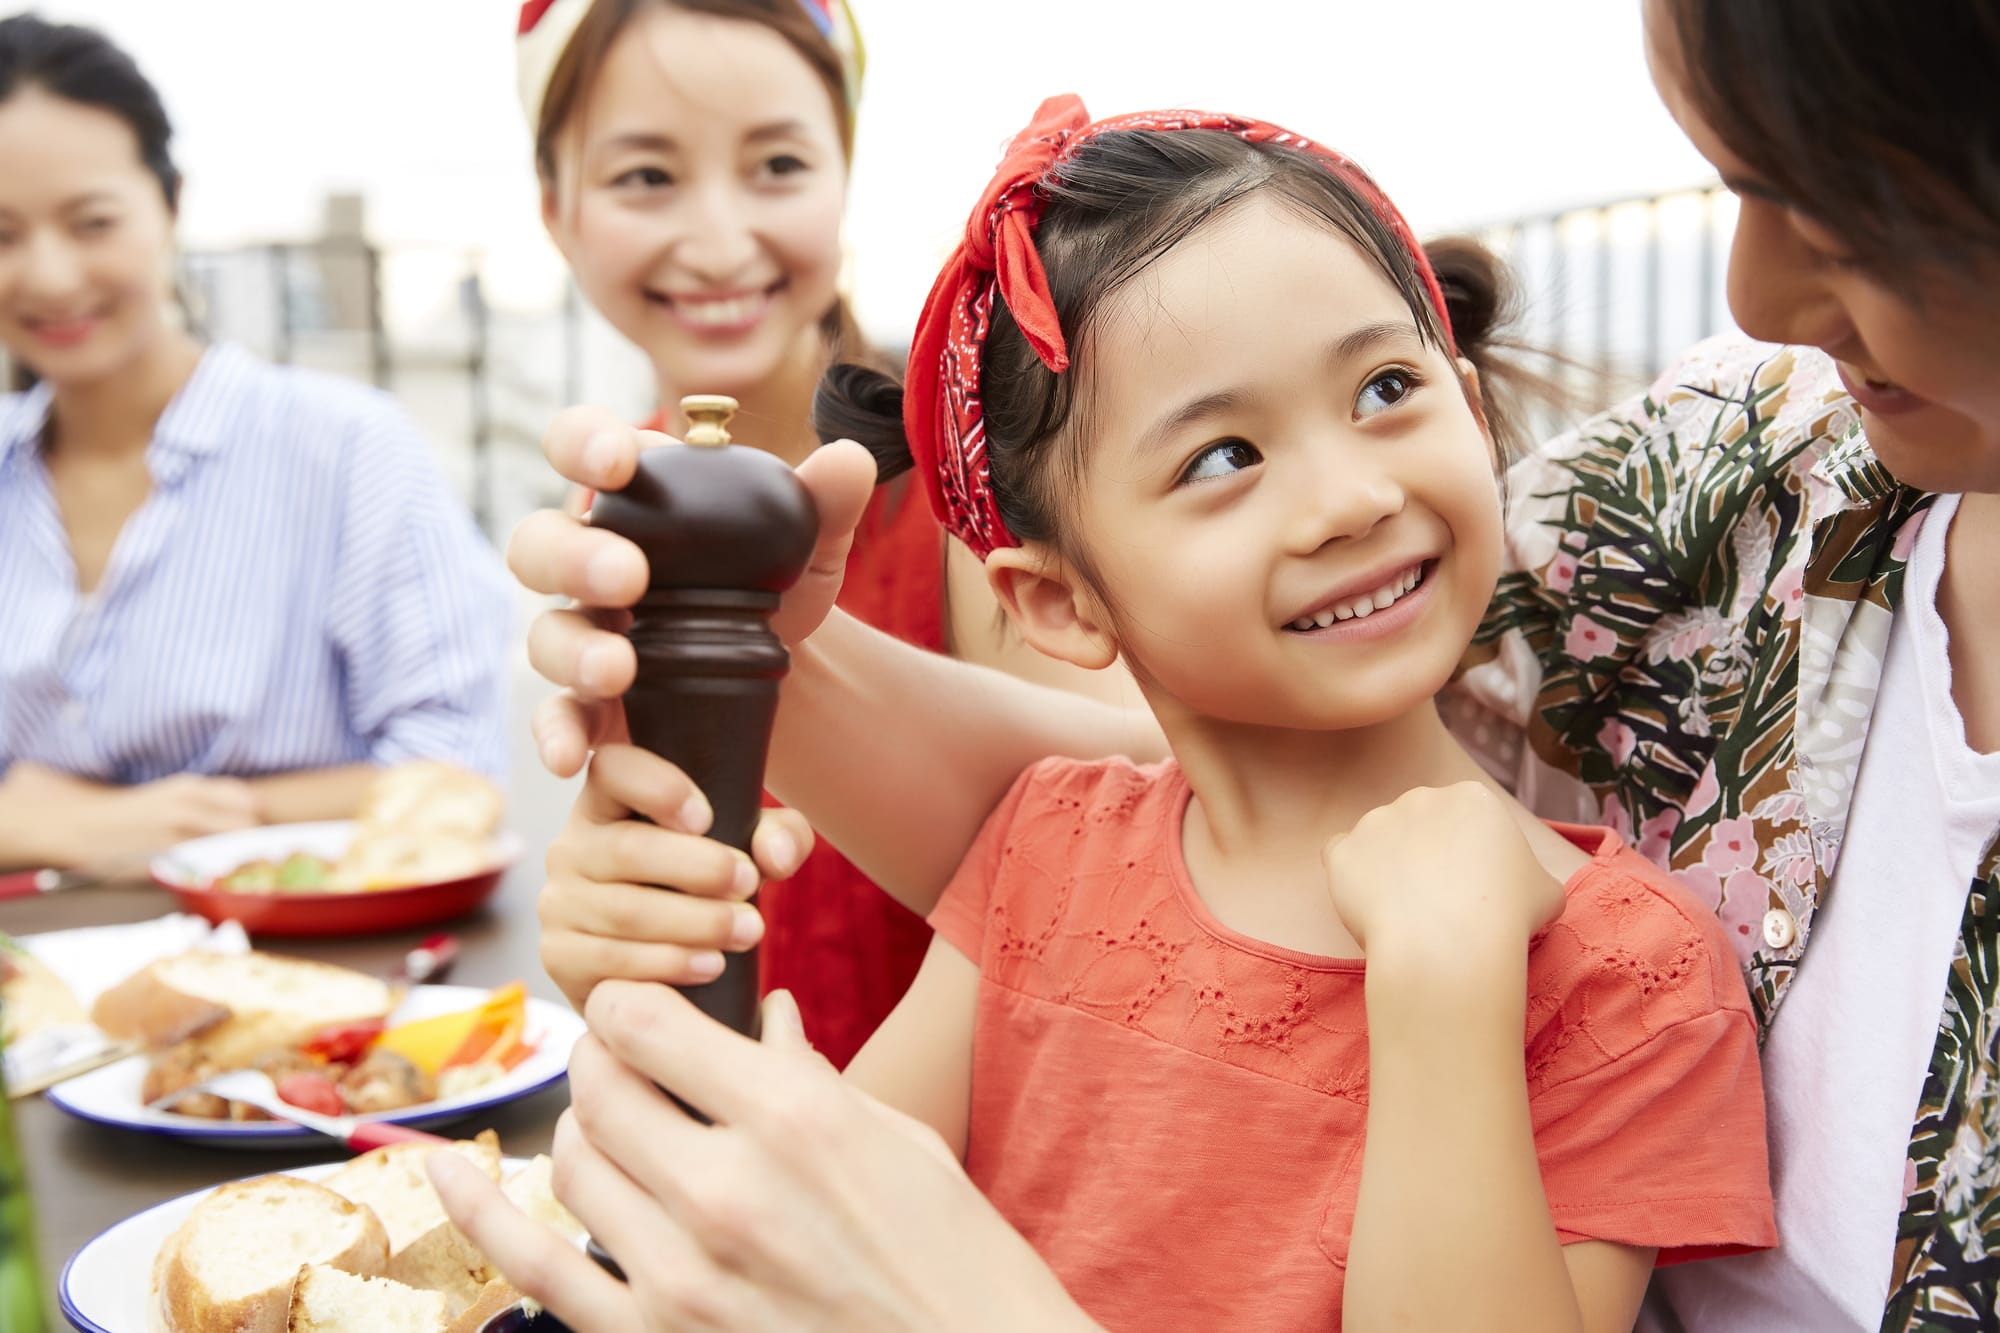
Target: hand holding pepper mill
<point x="725" y="529"/>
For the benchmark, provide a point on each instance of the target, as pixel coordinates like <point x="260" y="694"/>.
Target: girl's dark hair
<point x="1115" y="206"/>
<point x="1878" y="120"/>
<point x="599" y="30"/>
<point x="81" y="65"/>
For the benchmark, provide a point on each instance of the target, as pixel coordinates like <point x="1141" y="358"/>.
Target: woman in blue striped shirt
<point x="228" y="590"/>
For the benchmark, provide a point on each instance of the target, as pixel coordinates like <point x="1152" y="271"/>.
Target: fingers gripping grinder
<point x="725" y="529"/>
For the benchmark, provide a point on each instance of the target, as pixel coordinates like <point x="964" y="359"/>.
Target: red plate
<point x="187" y="870"/>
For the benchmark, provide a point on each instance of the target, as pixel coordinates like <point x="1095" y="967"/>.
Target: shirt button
<point x="1779" y="928"/>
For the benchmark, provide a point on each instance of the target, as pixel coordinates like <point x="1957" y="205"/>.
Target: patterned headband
<point x="546" y="27"/>
<point x="942" y="416"/>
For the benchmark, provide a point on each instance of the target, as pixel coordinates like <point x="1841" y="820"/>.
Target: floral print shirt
<point x="1686" y="645"/>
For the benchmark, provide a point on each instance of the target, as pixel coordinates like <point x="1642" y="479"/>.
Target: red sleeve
<point x="960" y="915"/>
<point x="1647" y="1098"/>
<point x="1664" y="1146"/>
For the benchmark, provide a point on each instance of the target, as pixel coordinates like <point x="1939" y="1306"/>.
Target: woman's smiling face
<point x="86" y="240"/>
<point x="1918" y="347"/>
<point x="698" y="198"/>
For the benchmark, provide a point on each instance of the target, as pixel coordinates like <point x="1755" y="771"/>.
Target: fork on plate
<point x="254" y="1087"/>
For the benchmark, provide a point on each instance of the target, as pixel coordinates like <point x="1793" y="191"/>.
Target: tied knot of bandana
<point x="943" y="419"/>
<point x="1000" y="235"/>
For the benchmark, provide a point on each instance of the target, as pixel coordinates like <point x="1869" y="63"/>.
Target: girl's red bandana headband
<point x="941" y="410"/>
<point x="546" y="26"/>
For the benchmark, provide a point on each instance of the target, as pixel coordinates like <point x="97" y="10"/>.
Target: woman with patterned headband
<point x="693" y="157"/>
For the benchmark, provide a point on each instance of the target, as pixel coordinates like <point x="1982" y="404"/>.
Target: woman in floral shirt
<point x="1749" y="619"/>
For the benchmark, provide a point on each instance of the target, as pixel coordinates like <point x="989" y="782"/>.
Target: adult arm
<point x="420" y="614"/>
<point x="312" y="794"/>
<point x="869" y="729"/>
<point x="806" y="1205"/>
<point x="51" y="818"/>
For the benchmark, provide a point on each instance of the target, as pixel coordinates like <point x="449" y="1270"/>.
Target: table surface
<point x="85" y="1177"/>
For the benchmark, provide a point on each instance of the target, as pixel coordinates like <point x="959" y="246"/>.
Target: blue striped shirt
<point x="299" y="590"/>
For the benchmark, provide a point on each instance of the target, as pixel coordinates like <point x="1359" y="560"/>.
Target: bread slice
<point x="238" y="1006"/>
<point x="429" y="796"/>
<point x="425" y="1249"/>
<point x="326" y="1300"/>
<point x="532" y="1190"/>
<point x="423" y="822"/>
<point x="231" y="1265"/>
<point x="32" y="997"/>
<point x="496" y="1296"/>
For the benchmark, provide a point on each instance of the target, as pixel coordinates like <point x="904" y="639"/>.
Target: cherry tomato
<point x="312" y="1092"/>
<point x="343" y="1043"/>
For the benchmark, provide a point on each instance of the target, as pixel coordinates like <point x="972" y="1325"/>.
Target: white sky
<point x="1466" y="110"/>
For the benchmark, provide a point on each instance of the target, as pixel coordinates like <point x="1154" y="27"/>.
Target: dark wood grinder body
<point x="725" y="530"/>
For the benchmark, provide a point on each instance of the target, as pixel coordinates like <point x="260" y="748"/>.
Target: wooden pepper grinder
<point x="725" y="529"/>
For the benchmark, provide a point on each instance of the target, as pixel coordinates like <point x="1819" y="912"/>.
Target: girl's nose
<point x="1339" y="493"/>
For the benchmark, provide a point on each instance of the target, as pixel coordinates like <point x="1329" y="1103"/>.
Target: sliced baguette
<point x="496" y="1296"/>
<point x="430" y="796"/>
<point x="422" y="822"/>
<point x="238" y="1006"/>
<point x="231" y="1265"/>
<point x="532" y="1190"/>
<point x="32" y="997"/>
<point x="425" y="1249"/>
<point x="327" y="1300"/>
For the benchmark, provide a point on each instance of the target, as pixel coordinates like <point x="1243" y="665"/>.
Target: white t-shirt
<point x="1846" y="1058"/>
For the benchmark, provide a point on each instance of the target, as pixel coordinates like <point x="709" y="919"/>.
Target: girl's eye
<point x="93" y="226"/>
<point x="644" y="178"/>
<point x="784" y="164"/>
<point x="1385" y="391"/>
<point x="1219" y="460"/>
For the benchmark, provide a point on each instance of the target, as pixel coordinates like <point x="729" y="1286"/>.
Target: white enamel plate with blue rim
<point x="110" y="1096"/>
<point x="107" y="1285"/>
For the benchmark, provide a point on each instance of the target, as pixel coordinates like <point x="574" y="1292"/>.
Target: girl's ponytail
<point x="863" y="404"/>
<point x="1482" y="303"/>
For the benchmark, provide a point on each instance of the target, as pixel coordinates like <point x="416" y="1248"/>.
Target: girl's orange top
<point x="842" y="946"/>
<point x="1173" y="1112"/>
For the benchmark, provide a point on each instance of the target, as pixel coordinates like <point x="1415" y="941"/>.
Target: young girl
<point x="693" y="159"/>
<point x="1310" y="1022"/>
<point x="229" y="591"/>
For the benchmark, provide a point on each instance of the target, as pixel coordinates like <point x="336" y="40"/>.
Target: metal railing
<point x="1610" y="291"/>
<point x="1613" y="290"/>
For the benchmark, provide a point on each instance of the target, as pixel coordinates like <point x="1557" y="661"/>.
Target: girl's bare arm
<point x="896" y="754"/>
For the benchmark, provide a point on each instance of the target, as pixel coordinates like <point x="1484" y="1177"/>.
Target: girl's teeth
<point x="1380" y="600"/>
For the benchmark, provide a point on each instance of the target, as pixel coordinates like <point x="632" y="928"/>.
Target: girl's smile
<point x="1387" y="607"/>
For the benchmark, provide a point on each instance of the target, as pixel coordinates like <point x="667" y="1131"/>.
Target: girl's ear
<point x="1051" y="607"/>
<point x="1475" y="397"/>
